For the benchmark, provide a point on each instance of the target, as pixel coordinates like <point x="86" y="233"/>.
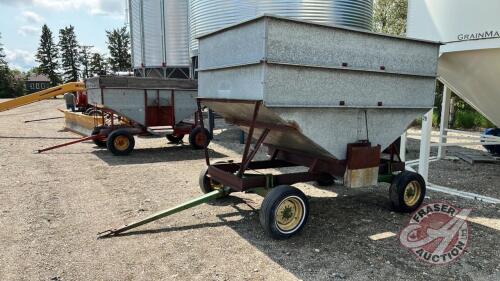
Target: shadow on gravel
<point x="335" y="243"/>
<point x="156" y="155"/>
<point x="230" y="139"/>
<point x="42" y="138"/>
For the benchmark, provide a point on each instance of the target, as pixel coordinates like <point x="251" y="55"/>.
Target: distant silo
<point x="159" y="35"/>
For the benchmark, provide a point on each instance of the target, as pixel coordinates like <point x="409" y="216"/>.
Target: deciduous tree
<point x="390" y="16"/>
<point x="11" y="82"/>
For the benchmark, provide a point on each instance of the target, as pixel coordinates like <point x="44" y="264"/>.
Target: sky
<point x="21" y="24"/>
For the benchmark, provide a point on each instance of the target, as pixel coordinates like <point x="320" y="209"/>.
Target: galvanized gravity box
<point x="336" y="85"/>
<point x="132" y="96"/>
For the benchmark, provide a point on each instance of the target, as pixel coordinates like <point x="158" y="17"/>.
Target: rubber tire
<point x="88" y="110"/>
<point x="325" y="180"/>
<point x="194" y="133"/>
<point x="174" y="138"/>
<point x="493" y="149"/>
<point x="204" y="181"/>
<point x="111" y="140"/>
<point x="99" y="143"/>
<point x="397" y="189"/>
<point x="268" y="209"/>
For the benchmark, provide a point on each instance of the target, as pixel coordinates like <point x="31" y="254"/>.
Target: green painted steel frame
<point x="189" y="204"/>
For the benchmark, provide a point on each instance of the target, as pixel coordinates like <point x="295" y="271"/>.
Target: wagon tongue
<point x="184" y="206"/>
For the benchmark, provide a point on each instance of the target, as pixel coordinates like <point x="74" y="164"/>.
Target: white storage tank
<point x="159" y="35"/>
<point x="469" y="61"/>
<point x="209" y="15"/>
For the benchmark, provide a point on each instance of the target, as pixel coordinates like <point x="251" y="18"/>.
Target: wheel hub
<point x="412" y="193"/>
<point x="216" y="185"/>
<point x="201" y="139"/>
<point x="121" y="143"/>
<point x="289" y="213"/>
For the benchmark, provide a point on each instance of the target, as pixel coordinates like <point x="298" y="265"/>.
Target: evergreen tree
<point x="390" y="16"/>
<point x="119" y="49"/>
<point x="98" y="65"/>
<point x="47" y="56"/>
<point x="69" y="54"/>
<point x="85" y="57"/>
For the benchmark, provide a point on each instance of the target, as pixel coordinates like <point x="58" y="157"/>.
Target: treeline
<point x="10" y="86"/>
<point x="67" y="60"/>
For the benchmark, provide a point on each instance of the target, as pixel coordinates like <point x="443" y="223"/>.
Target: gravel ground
<point x="53" y="204"/>
<point x="480" y="178"/>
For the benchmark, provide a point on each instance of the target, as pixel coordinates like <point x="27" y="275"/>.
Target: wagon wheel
<point x="93" y="112"/>
<point x="173" y="138"/>
<point x="120" y="142"/>
<point x="199" y="138"/>
<point x="98" y="142"/>
<point x="284" y="212"/>
<point x="206" y="183"/>
<point x="407" y="191"/>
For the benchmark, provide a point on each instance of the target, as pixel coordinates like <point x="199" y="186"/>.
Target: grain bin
<point x="209" y="15"/>
<point x="159" y="33"/>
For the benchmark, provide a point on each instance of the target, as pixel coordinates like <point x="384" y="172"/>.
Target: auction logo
<point x="437" y="233"/>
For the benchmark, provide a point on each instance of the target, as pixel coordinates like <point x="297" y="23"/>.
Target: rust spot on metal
<point x="363" y="155"/>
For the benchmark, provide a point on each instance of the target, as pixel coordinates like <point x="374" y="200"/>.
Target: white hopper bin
<point x="470" y="57"/>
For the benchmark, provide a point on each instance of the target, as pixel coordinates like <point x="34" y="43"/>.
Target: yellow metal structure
<point x="42" y="95"/>
<point x="80" y="123"/>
